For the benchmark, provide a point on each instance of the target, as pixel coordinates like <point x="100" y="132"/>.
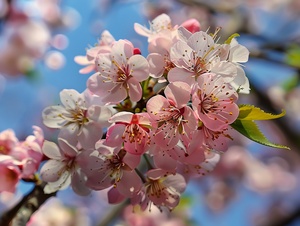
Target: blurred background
<point x="253" y="185"/>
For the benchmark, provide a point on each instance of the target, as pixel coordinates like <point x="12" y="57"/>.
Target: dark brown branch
<point x="21" y="213"/>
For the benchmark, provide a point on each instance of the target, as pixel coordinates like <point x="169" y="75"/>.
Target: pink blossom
<point x="159" y="24"/>
<point x="63" y="169"/>
<point x="33" y="147"/>
<point x="8" y="142"/>
<point x="236" y="53"/>
<point x="107" y="167"/>
<point x="175" y="119"/>
<point x="192" y="25"/>
<point x="10" y="174"/>
<point x="198" y="55"/>
<point x="23" y="42"/>
<point x="214" y="102"/>
<point x="159" y="57"/>
<point x="120" y="74"/>
<point x="103" y="46"/>
<point x="78" y="116"/>
<point x="216" y="140"/>
<point x="199" y="170"/>
<point x="131" y="129"/>
<point x="161" y="189"/>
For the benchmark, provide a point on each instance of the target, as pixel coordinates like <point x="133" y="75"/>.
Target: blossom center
<point x="4" y="150"/>
<point x="154" y="187"/>
<point x="79" y="116"/>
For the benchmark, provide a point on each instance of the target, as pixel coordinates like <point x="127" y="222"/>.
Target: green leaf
<point x="293" y="55"/>
<point x="228" y="41"/>
<point x="291" y="83"/>
<point x="250" y="130"/>
<point x="250" y="112"/>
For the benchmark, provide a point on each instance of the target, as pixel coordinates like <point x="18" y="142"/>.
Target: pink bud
<point x="137" y="51"/>
<point x="191" y="25"/>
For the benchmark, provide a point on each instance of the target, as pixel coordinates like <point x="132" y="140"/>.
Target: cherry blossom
<point x="103" y="46"/>
<point x="161" y="189"/>
<point x="33" y="147"/>
<point x="160" y="23"/>
<point x="107" y="167"/>
<point x="10" y="174"/>
<point x="120" y="74"/>
<point x="237" y="53"/>
<point x="131" y="129"/>
<point x="198" y="55"/>
<point x="78" y="116"/>
<point x="214" y="102"/>
<point x="175" y="119"/>
<point x="63" y="169"/>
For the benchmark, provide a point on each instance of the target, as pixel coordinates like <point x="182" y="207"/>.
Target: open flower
<point x="10" y="173"/>
<point x="107" y="167"/>
<point x="63" y="169"/>
<point x="161" y="189"/>
<point x="119" y="74"/>
<point x="131" y="129"/>
<point x="104" y="46"/>
<point x="78" y="116"/>
<point x="175" y="119"/>
<point x="214" y="102"/>
<point x="197" y="55"/>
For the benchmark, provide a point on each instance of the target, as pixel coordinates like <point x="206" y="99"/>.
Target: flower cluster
<point x="19" y="159"/>
<point x="146" y="125"/>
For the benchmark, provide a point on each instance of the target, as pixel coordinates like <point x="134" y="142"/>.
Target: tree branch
<point x="21" y="213"/>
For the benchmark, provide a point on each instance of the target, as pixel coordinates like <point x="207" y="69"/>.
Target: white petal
<point x="51" y="150"/>
<point x="52" y="170"/>
<point x="55" y="116"/>
<point x="70" y="98"/>
<point x="63" y="182"/>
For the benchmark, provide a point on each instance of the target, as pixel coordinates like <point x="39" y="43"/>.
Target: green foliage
<point x="249" y="112"/>
<point x="228" y="41"/>
<point x="293" y="55"/>
<point x="245" y="124"/>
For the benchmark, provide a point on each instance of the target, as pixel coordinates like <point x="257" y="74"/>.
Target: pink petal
<point x="51" y="150"/>
<point x="87" y="69"/>
<point x="226" y="69"/>
<point x="139" y="67"/>
<point x="62" y="183"/>
<point x="141" y="30"/>
<point x="155" y="105"/>
<point x="180" y="74"/>
<point x="164" y="161"/>
<point x="123" y="116"/>
<point x="181" y="54"/>
<point x="116" y="94"/>
<point x="99" y="115"/>
<point x="156" y="65"/>
<point x="179" y="93"/>
<point x="51" y="170"/>
<point x="114" y="135"/>
<point x="129" y="184"/>
<point x="132" y="160"/>
<point x="78" y="184"/>
<point x="67" y="149"/>
<point x="176" y="182"/>
<point x="70" y="98"/>
<point x="155" y="174"/>
<point x="114" y="196"/>
<point x="135" y="89"/>
<point x="191" y="25"/>
<point x="90" y="134"/>
<point x="82" y="60"/>
<point x="55" y="116"/>
<point x="201" y="42"/>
